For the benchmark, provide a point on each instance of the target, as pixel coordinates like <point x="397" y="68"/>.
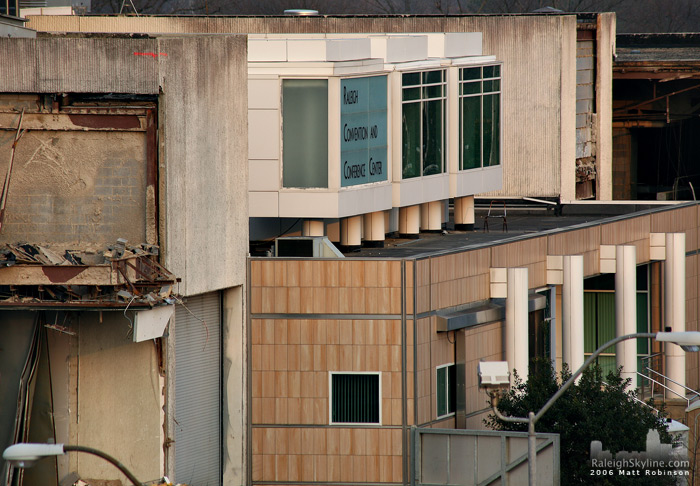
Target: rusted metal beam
<point x="657" y="98"/>
<point x="6" y="185"/>
<point x="63" y="122"/>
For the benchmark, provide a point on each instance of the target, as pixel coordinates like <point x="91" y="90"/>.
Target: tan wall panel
<point x="520" y="253"/>
<point x="625" y="232"/>
<point x="326" y="454"/>
<point x="574" y="242"/>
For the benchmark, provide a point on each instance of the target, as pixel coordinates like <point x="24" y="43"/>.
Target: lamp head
<point x="493" y="375"/>
<point x="25" y="455"/>
<point x="689" y="341"/>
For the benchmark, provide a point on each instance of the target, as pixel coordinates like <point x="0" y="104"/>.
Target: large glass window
<point x="355" y="398"/>
<point x="305" y="133"/>
<point x="479" y="113"/>
<point x="423" y="123"/>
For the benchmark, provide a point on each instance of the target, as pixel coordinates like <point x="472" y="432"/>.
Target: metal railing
<point x="661" y="380"/>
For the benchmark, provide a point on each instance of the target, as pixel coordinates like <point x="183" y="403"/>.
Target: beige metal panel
<point x="18" y="77"/>
<point x="626" y="232"/>
<point x="574" y="242"/>
<point x="520" y="253"/>
<point x="678" y="221"/>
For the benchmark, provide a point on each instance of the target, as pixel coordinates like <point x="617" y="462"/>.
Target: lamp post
<point x="25" y="455"/>
<point x="689" y="341"/>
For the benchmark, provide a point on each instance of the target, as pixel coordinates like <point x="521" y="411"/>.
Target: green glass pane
<point x="491" y="86"/>
<point x="492" y="132"/>
<point x="606" y="319"/>
<point x="432" y="91"/>
<point x="305" y="132"/>
<point x="441" y="392"/>
<point x="642" y="322"/>
<point x="470" y="73"/>
<point x="608" y="364"/>
<point x="471" y="88"/>
<point x="471" y="133"/>
<point x="410" y="79"/>
<point x="432" y="137"/>
<point x="410" y="94"/>
<point x="411" y="140"/>
<point x="491" y="71"/>
<point x="430" y="77"/>
<point x="643" y="277"/>
<point x="590" y="331"/>
<point x="451" y="386"/>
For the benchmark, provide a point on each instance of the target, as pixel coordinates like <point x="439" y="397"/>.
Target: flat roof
<point x="523" y="222"/>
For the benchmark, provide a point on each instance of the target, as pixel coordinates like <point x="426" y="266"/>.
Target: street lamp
<point x="25" y="455"/>
<point x="689" y="341"/>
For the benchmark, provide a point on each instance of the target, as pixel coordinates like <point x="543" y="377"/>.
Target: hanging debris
<point x="120" y="275"/>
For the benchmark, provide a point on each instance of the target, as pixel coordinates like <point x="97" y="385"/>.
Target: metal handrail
<point x="672" y="381"/>
<point x="663" y="386"/>
<point x="651" y="356"/>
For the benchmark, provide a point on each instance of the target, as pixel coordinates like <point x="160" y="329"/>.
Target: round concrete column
<point x="409" y="221"/>
<point x="464" y="213"/>
<point x="312" y="227"/>
<point x="572" y="312"/>
<point x="374" y="229"/>
<point x="516" y="335"/>
<point x="626" y="310"/>
<point x="674" y="310"/>
<point x="431" y="216"/>
<point x="351" y="232"/>
<point x="333" y="232"/>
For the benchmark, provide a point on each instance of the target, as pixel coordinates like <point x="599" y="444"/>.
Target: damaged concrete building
<point x="655" y="118"/>
<point x="124" y="207"/>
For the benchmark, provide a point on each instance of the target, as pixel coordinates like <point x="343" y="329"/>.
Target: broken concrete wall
<point x="70" y="186"/>
<point x="202" y="128"/>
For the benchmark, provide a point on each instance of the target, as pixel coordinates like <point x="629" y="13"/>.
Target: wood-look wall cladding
<point x="310" y="317"/>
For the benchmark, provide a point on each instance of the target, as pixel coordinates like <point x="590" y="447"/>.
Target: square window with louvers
<point x="355" y="398"/>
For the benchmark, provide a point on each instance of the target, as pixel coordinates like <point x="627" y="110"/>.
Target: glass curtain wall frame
<point x="423" y="123"/>
<point x="480" y="116"/>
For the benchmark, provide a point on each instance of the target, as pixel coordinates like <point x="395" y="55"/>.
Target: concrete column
<point x="351" y="232"/>
<point x="374" y="229"/>
<point x="626" y="310"/>
<point x="235" y="403"/>
<point x="431" y="216"/>
<point x="312" y="227"/>
<point x="674" y="309"/>
<point x="516" y="335"/>
<point x="333" y="230"/>
<point x="572" y="312"/>
<point x="464" y="213"/>
<point x="409" y="221"/>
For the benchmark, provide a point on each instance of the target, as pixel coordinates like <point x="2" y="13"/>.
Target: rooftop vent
<point x="306" y="246"/>
<point x="300" y="12"/>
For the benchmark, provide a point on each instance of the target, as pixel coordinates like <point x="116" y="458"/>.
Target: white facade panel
<point x="263" y="94"/>
<point x="463" y="44"/>
<point x="263" y="205"/>
<point x="267" y="50"/>
<point x="308" y="205"/>
<point x="424" y="189"/>
<point x="263" y="134"/>
<point x="405" y="48"/>
<point x="348" y="49"/>
<point x="264" y="175"/>
<point x="364" y="200"/>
